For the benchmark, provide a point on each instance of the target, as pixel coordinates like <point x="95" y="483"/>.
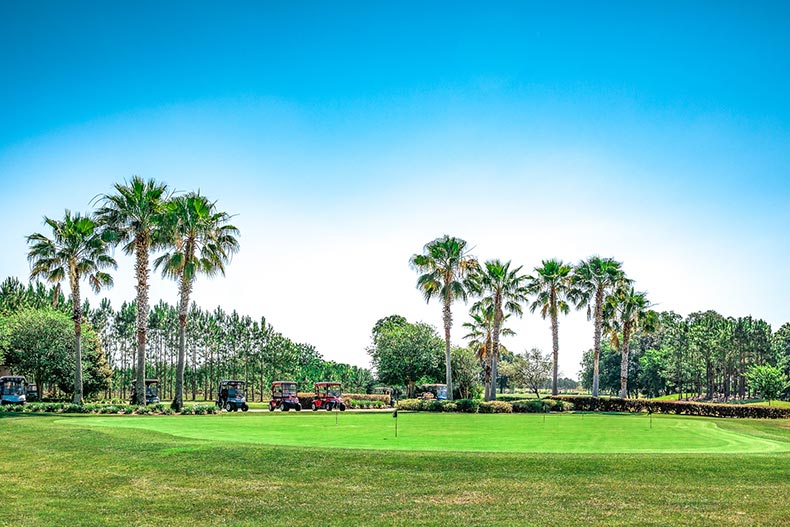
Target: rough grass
<point x="60" y="471"/>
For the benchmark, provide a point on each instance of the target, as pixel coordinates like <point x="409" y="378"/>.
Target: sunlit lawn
<point x="230" y="470"/>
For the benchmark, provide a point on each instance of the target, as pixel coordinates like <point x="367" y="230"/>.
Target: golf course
<point x="326" y="468"/>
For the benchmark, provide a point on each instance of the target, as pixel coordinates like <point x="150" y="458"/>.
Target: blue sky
<point x="346" y="136"/>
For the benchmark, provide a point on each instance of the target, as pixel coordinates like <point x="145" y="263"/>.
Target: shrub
<point x="597" y="404"/>
<point x="188" y="410"/>
<point x="495" y="407"/>
<point x="199" y="409"/>
<point x="410" y="404"/>
<point x="469" y="406"/>
<point x="511" y="397"/>
<point x="142" y="410"/>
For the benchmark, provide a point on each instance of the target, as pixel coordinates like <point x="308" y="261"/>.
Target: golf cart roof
<point x="283" y="382"/>
<point x="232" y="381"/>
<point x="147" y="381"/>
<point x="328" y="384"/>
<point x="13" y="378"/>
<point x="437" y="385"/>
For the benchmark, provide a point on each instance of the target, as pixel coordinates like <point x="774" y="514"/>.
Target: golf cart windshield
<point x="333" y="391"/>
<point x="151" y="391"/>
<point x="13" y="388"/>
<point x="441" y="392"/>
<point x="235" y="391"/>
<point x="288" y="390"/>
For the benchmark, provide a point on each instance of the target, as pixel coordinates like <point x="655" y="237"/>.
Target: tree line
<point x="703" y="355"/>
<point x="36" y="338"/>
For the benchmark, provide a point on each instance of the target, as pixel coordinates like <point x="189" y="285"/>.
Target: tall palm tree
<point x="552" y="287"/>
<point x="76" y="251"/>
<point x="445" y="264"/>
<point x="592" y="280"/>
<point x="626" y="311"/>
<point x="133" y="216"/>
<point x="504" y="289"/>
<point x="201" y="242"/>
<point x="480" y="336"/>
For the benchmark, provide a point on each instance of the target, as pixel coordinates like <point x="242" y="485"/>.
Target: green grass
<point x="578" y="433"/>
<point x="219" y="471"/>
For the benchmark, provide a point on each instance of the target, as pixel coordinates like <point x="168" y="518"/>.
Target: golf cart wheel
<point x="313" y="407"/>
<point x="328" y="407"/>
<point x="228" y="407"/>
<point x="244" y="407"/>
<point x="298" y="407"/>
<point x="342" y="407"/>
<point x="286" y="408"/>
<point x="272" y="407"/>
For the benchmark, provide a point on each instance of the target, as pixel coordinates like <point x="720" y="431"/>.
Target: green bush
<point x="511" y="397"/>
<point x="187" y="410"/>
<point x="495" y="407"/>
<point x="142" y="410"/>
<point x="469" y="406"/>
<point x="598" y="404"/>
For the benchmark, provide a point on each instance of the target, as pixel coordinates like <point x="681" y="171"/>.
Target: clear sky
<point x="346" y="135"/>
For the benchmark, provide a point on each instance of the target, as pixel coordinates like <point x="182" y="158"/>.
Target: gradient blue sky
<point x="345" y="135"/>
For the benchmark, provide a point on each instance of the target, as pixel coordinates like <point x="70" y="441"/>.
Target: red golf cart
<point x="284" y="396"/>
<point x="327" y="396"/>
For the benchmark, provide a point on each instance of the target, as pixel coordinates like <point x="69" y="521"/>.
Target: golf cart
<point x="32" y="392"/>
<point x="284" y="396"/>
<point x="231" y="396"/>
<point x="327" y="396"/>
<point x="434" y="391"/>
<point x="151" y="391"/>
<point x="12" y="389"/>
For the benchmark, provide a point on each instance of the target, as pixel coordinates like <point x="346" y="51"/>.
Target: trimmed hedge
<point x="495" y="407"/>
<point x="484" y="407"/>
<point x="92" y="408"/>
<point x="598" y="404"/>
<point x="538" y="406"/>
<point x="512" y="397"/>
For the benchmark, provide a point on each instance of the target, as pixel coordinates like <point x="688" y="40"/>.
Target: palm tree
<point x="445" y="265"/>
<point x="480" y="338"/>
<point x="626" y="311"/>
<point x="133" y="216"/>
<point x="504" y="290"/>
<point x="552" y="287"/>
<point x="592" y="280"/>
<point x="201" y="242"/>
<point x="75" y="251"/>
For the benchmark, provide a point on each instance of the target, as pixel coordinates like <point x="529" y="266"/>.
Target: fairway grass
<point x="558" y="433"/>
<point x="97" y="471"/>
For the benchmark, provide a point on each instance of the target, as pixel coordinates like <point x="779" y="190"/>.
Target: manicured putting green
<point x="557" y="433"/>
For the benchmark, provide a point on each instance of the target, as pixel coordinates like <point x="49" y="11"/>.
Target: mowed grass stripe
<point x="557" y="433"/>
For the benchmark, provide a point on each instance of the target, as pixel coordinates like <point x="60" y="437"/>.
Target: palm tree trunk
<point x="498" y="318"/>
<point x="448" y="323"/>
<point x="141" y="267"/>
<point x="624" y="362"/>
<point x="77" y="318"/>
<point x="186" y="287"/>
<point x="555" y="341"/>
<point x="597" y="340"/>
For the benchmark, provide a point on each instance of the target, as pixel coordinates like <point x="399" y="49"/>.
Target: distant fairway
<point x="558" y="433"/>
